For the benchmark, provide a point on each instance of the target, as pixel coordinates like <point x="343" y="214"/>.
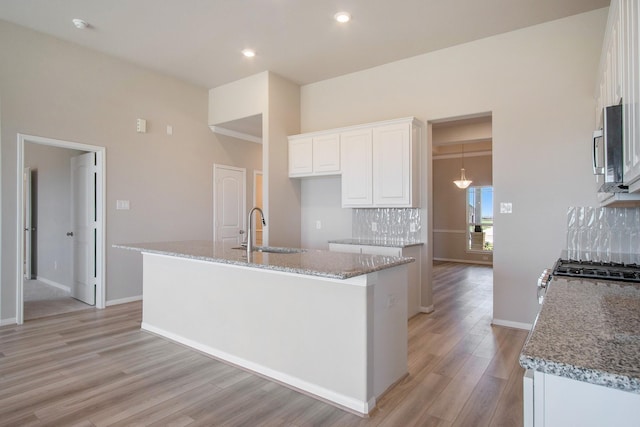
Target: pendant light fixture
<point x="463" y="182"/>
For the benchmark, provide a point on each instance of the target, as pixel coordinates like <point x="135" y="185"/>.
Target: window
<point x="480" y="219"/>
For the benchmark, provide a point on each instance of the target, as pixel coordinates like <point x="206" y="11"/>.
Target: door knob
<point x="241" y="231"/>
<point x="70" y="233"/>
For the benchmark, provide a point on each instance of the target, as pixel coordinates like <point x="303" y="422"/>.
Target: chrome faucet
<point x="249" y="231"/>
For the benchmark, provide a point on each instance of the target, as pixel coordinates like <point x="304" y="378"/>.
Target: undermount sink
<point x="274" y="249"/>
<point x="279" y="250"/>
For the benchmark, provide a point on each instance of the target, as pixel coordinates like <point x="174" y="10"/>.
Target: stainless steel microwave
<point x="608" y="154"/>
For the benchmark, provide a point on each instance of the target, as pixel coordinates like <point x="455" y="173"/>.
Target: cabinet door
<point x="326" y="154"/>
<point x="392" y="165"/>
<point x="629" y="52"/>
<point x="300" y="157"/>
<point x="356" y="154"/>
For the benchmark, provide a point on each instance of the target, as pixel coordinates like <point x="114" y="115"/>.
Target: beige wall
<point x="539" y="84"/>
<point x="449" y="206"/>
<point x="58" y="90"/>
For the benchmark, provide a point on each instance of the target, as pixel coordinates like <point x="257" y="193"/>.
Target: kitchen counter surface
<point x="391" y="243"/>
<point x="588" y="331"/>
<point x="309" y="262"/>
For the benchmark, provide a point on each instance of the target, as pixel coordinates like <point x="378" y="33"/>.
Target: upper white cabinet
<point x="314" y="155"/>
<point x="357" y="172"/>
<point x="629" y="51"/>
<point x="380" y="164"/>
<point x="394" y="166"/>
<point x="619" y="82"/>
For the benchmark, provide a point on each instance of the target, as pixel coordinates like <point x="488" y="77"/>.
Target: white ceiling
<point x="200" y="40"/>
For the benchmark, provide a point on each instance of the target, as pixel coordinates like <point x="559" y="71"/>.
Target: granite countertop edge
<point x="374" y="242"/>
<point x="309" y="272"/>
<point x="606" y="302"/>
<point x="591" y="376"/>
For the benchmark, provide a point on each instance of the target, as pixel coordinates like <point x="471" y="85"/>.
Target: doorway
<point x="463" y="215"/>
<point x="229" y="203"/>
<point x="81" y="230"/>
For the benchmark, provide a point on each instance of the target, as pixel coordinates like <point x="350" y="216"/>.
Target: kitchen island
<point x="583" y="355"/>
<point x="329" y="324"/>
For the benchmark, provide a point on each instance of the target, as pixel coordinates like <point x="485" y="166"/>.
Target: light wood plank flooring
<point x="43" y="300"/>
<point x="97" y="368"/>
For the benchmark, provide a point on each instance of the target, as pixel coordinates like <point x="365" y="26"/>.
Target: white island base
<point x="344" y="341"/>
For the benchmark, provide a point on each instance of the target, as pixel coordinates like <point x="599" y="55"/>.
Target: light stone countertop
<point x="328" y="264"/>
<point x="391" y="243"/>
<point x="588" y="331"/>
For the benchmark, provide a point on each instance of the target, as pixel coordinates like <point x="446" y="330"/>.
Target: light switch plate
<point x="506" y="207"/>
<point x="122" y="205"/>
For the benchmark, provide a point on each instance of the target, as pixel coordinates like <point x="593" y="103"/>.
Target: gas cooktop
<point x="601" y="270"/>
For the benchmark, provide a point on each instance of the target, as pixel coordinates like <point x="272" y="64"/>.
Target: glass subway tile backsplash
<point x="602" y="233"/>
<point x="387" y="224"/>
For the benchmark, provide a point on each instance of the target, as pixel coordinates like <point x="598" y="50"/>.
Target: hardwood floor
<point x="97" y="368"/>
<point x="43" y="300"/>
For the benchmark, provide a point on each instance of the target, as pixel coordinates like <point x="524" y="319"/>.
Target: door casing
<point x="101" y="211"/>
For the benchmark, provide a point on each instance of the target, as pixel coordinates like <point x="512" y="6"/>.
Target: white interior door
<point x="27" y="221"/>
<point x="229" y="201"/>
<point x="84" y="227"/>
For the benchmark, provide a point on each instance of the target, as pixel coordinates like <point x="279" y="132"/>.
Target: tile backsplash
<point x="602" y="233"/>
<point x="387" y="224"/>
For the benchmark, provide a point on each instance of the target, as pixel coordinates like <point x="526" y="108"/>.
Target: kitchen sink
<point x="273" y="249"/>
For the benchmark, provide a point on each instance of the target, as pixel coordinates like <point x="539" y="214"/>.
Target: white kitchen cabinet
<point x="629" y="49"/>
<point x="619" y="82"/>
<point x="394" y="166"/>
<point x="314" y="155"/>
<point x="380" y="164"/>
<point x="413" y="269"/>
<point x="357" y="177"/>
<point x="300" y="157"/>
<point x="560" y="401"/>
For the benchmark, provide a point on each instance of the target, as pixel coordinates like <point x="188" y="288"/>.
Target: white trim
<point x="510" y="324"/>
<point x="360" y="407"/>
<point x="124" y="300"/>
<point x="464" y="261"/>
<point x="236" y="134"/>
<point x="449" y="231"/>
<point x="54" y="284"/>
<point x="427" y="310"/>
<point x="100" y="223"/>
<point x="217" y="166"/>
<point x="9" y="321"/>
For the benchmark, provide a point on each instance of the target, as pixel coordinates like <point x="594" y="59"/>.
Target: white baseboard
<point x="54" y="284"/>
<point x="124" y="300"/>
<point x="9" y="321"/>
<point x="464" y="261"/>
<point x="330" y="396"/>
<point x="427" y="309"/>
<point x="510" y="324"/>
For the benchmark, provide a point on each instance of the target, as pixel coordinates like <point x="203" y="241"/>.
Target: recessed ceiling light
<point x="249" y="53"/>
<point x="342" y="17"/>
<point x="80" y="24"/>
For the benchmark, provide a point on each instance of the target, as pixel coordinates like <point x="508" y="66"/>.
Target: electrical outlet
<point x="391" y="300"/>
<point x="55" y="265"/>
<point x="318" y="225"/>
<point x="374" y="226"/>
<point x="412" y="227"/>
